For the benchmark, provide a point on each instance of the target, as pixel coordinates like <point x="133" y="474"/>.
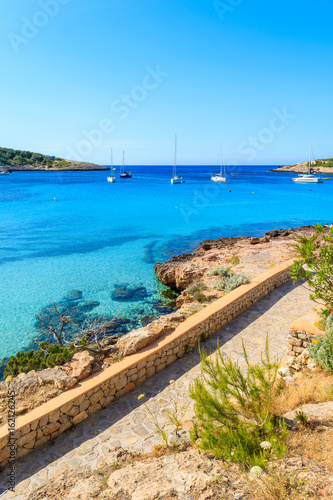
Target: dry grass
<point x="281" y="485"/>
<point x="315" y="445"/>
<point x="307" y="388"/>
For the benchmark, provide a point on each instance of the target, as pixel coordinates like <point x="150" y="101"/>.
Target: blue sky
<point x="81" y="75"/>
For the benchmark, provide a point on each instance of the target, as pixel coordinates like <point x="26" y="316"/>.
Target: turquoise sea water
<point x="74" y="231"/>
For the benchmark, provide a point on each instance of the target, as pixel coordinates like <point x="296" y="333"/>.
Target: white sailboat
<point x="308" y="178"/>
<point x="176" y="179"/>
<point x="222" y="176"/>
<point x="123" y="174"/>
<point x="111" y="177"/>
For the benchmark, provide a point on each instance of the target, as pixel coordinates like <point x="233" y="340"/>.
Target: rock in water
<point x="89" y="306"/>
<point x="122" y="293"/>
<point x="74" y="295"/>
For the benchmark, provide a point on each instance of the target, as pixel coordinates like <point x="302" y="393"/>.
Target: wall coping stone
<point x="307" y="323"/>
<point x="96" y="379"/>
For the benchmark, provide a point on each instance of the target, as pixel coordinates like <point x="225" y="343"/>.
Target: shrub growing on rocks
<point x="233" y="409"/>
<point x="221" y="271"/>
<point x="228" y="280"/>
<point x="321" y="349"/>
<point x="197" y="287"/>
<point x="46" y="356"/>
<point x="315" y="265"/>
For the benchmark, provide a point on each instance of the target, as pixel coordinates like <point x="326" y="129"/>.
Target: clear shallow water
<point x="75" y="231"/>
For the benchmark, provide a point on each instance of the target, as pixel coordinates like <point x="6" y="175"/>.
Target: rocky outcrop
<point x="178" y="274"/>
<point x="317" y="414"/>
<point x="283" y="233"/>
<point x="295" y="365"/>
<point x="169" y="272"/>
<point x="181" y="271"/>
<point x="303" y="168"/>
<point x="140" y="338"/>
<point x="80" y="366"/>
<point x="185" y="475"/>
<point x="218" y="244"/>
<point x="256" y="241"/>
<point x="36" y="387"/>
<point x="29" y="382"/>
<point x="170" y="476"/>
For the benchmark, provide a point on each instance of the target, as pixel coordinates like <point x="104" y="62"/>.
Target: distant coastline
<point x="320" y="167"/>
<point x="16" y="160"/>
<point x="76" y="166"/>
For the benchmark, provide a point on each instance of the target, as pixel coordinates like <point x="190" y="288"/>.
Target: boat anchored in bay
<point x="123" y="174"/>
<point x="308" y="178"/>
<point x="176" y="179"/>
<point x="222" y="176"/>
<point x="111" y="177"/>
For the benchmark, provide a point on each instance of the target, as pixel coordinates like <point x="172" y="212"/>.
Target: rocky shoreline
<point x="75" y="165"/>
<point x="250" y="255"/>
<point x="303" y="168"/>
<point x="193" y="277"/>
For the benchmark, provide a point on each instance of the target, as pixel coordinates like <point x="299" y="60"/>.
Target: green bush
<point x="46" y="356"/>
<point x="231" y="282"/>
<point x="315" y="266"/>
<point x="201" y="297"/>
<point x="198" y="286"/>
<point x="233" y="409"/>
<point x="329" y="322"/>
<point x="321" y="350"/>
<point x="234" y="260"/>
<point x="220" y="271"/>
<point x="228" y="280"/>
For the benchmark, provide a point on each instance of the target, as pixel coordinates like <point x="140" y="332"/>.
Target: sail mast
<point x="175" y="160"/>
<point x="221" y="160"/>
<point x="310" y="157"/>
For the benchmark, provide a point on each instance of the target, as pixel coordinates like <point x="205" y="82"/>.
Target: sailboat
<point x="123" y="174"/>
<point x="221" y="177"/>
<point x="111" y="177"/>
<point x="3" y="171"/>
<point x="308" y="178"/>
<point x="176" y="179"/>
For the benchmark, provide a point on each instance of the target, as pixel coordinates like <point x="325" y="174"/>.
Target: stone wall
<point x="302" y="332"/>
<point x="73" y="406"/>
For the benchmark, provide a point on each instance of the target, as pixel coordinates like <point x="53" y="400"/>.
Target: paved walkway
<point x="127" y="422"/>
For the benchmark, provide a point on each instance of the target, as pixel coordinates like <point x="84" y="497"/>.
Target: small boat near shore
<point x="123" y="174"/>
<point x="308" y="178"/>
<point x="176" y="179"/>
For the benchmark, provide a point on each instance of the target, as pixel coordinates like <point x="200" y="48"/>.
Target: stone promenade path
<point x="126" y="422"/>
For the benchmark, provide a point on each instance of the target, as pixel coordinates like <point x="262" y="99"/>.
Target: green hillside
<point x="15" y="157"/>
<point x="326" y="163"/>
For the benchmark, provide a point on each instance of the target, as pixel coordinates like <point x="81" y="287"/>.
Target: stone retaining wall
<point x="73" y="406"/>
<point x="302" y="332"/>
